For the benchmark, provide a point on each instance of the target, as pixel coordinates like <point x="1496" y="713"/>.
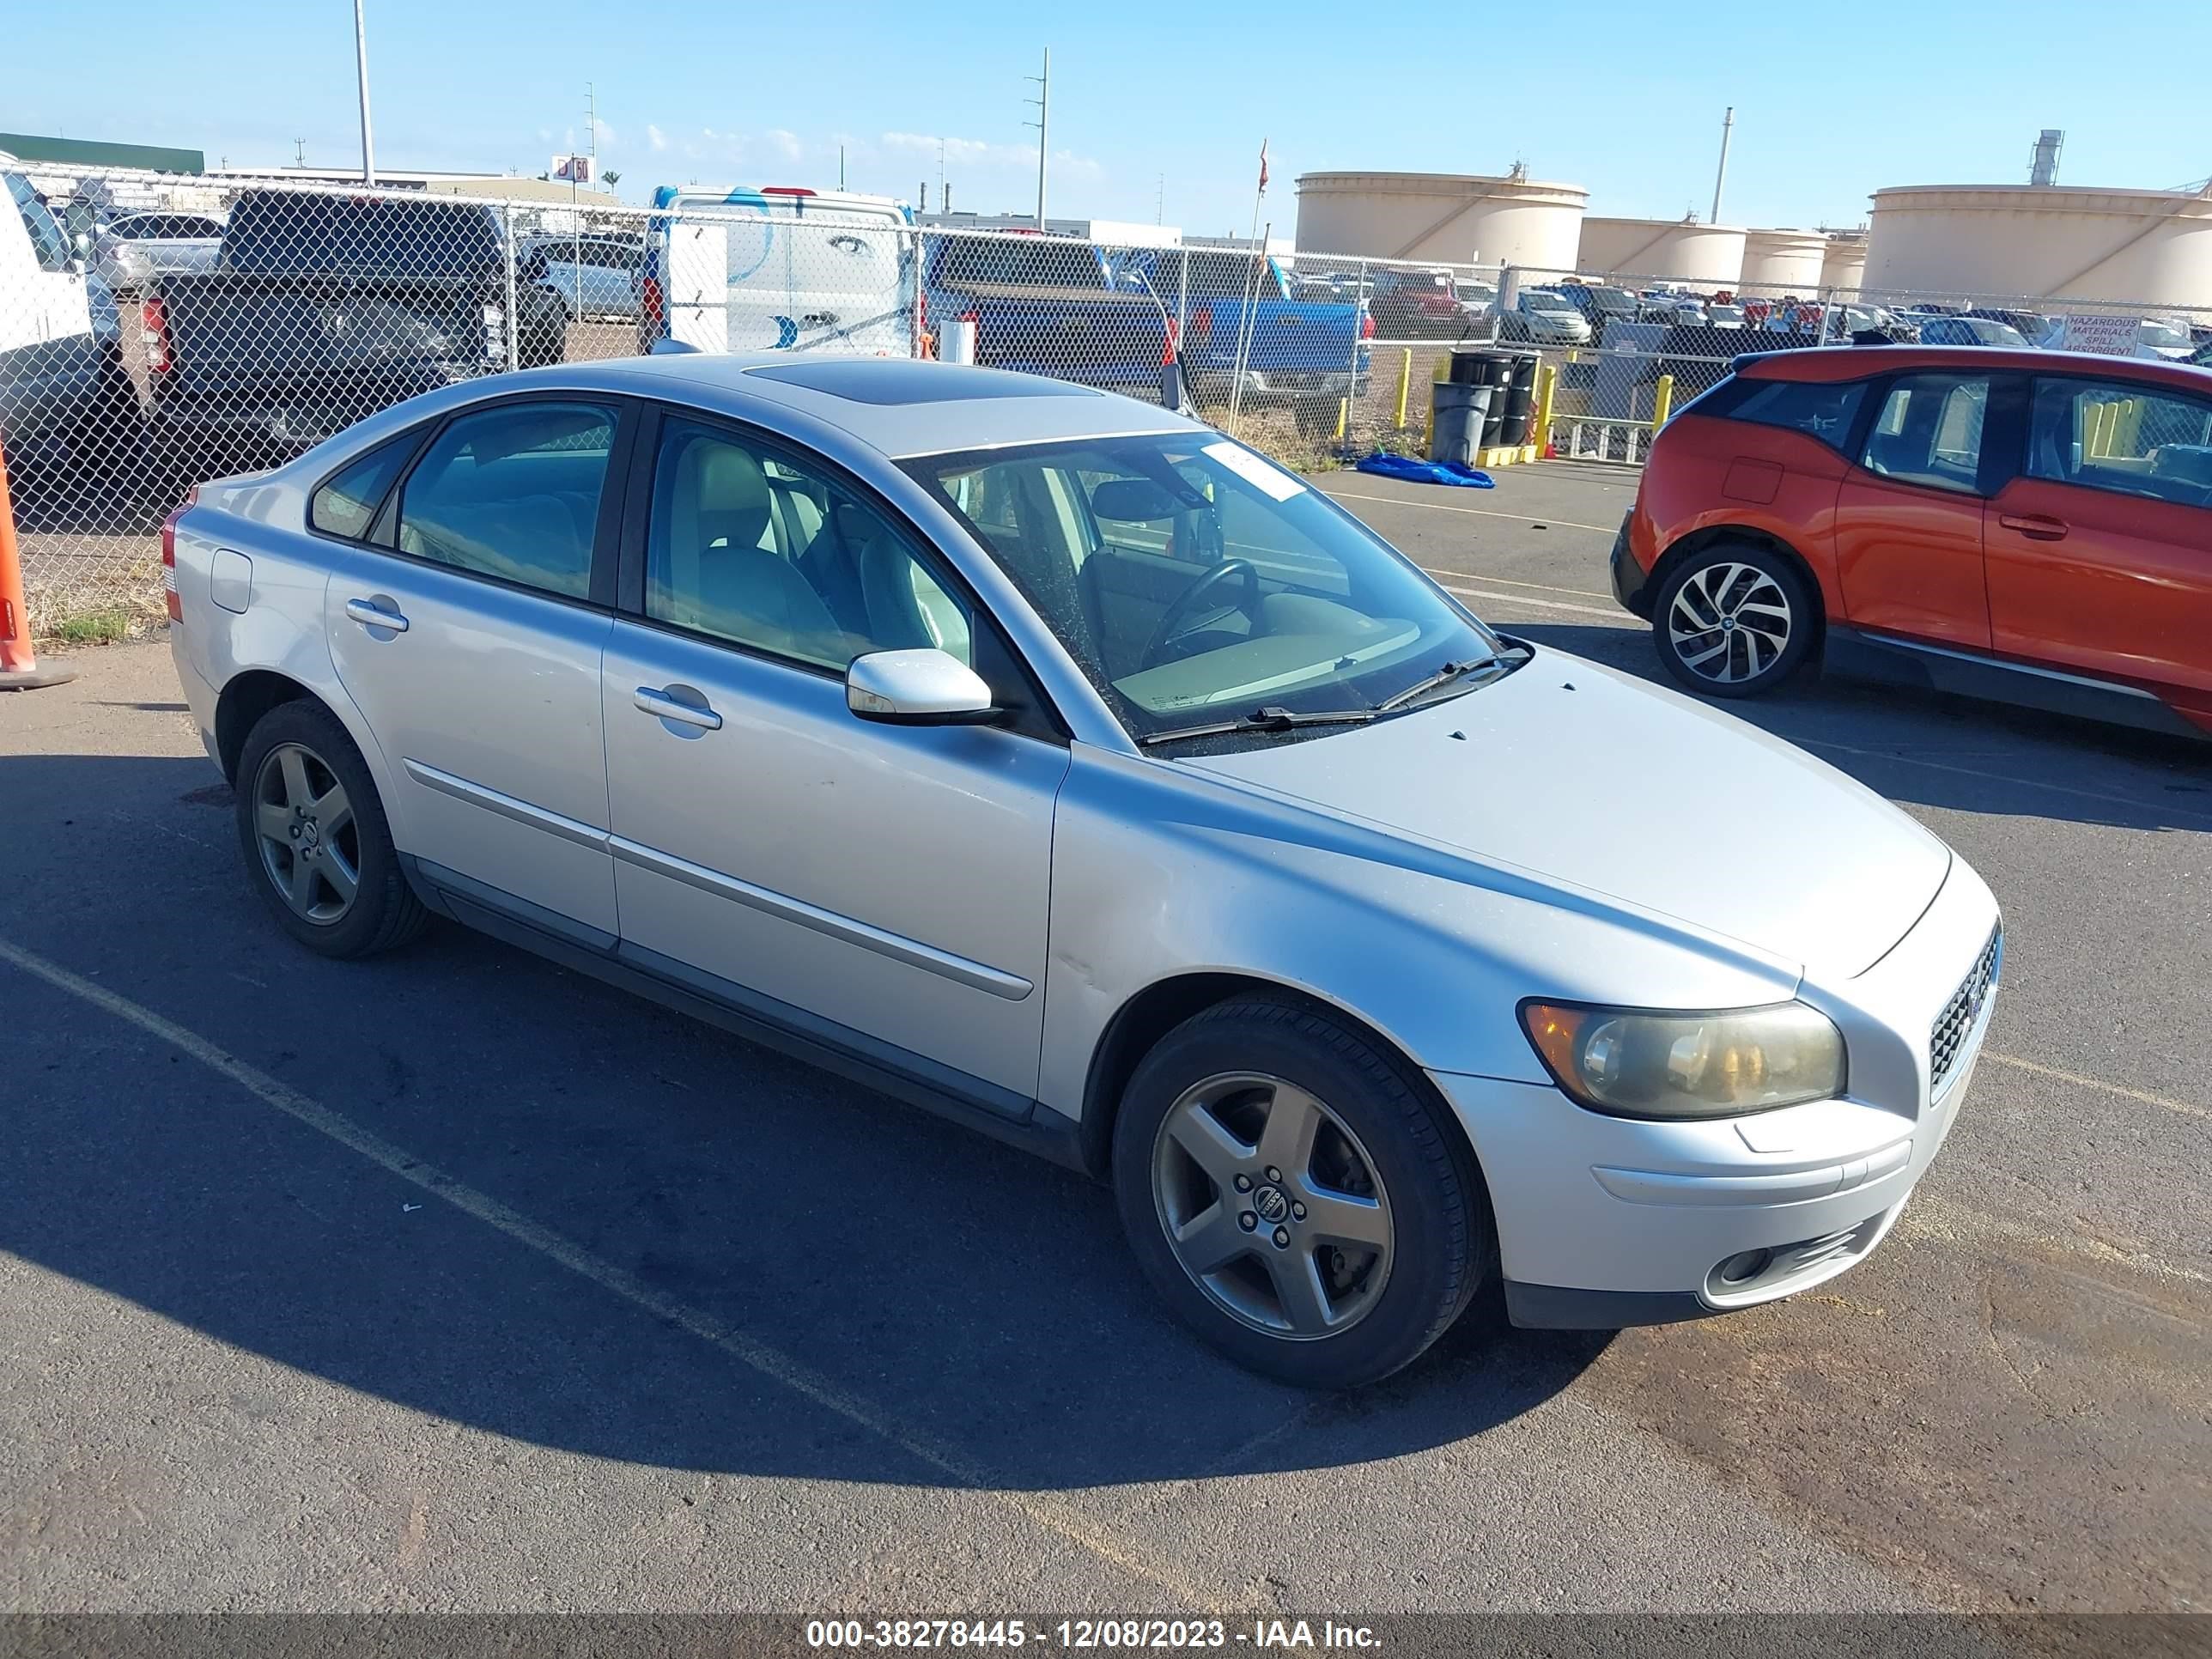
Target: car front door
<point x="468" y="626"/>
<point x="2100" y="550"/>
<point x="883" y="888"/>
<point x="1909" y="514"/>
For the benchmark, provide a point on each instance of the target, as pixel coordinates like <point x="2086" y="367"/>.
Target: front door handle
<point x="661" y="705"/>
<point x="2034" y="525"/>
<point x="369" y="614"/>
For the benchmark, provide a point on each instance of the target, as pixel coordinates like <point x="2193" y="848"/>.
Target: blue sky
<point x="1625" y="99"/>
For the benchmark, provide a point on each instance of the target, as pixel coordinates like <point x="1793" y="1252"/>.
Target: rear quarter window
<point x="1824" y="411"/>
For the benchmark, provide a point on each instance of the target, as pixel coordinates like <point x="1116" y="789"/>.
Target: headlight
<point x="1636" y="1064"/>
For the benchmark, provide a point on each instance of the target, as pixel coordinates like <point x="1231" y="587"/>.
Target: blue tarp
<point x="1418" y="472"/>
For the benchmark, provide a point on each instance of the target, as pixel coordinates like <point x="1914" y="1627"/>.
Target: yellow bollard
<point x="1343" y="416"/>
<point x="1547" y="382"/>
<point x="1662" y="400"/>
<point x="1405" y="382"/>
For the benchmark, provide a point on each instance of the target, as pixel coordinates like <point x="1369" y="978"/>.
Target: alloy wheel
<point x="304" y="825"/>
<point x="1730" y="623"/>
<point x="1271" y="1204"/>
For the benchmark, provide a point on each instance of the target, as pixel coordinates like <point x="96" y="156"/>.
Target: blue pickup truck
<point x="1046" y="306"/>
<point x="1301" y="351"/>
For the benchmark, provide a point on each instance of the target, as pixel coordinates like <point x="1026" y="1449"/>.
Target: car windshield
<point x="1994" y="333"/>
<point x="1614" y="299"/>
<point x="2162" y="334"/>
<point x="1194" y="581"/>
<point x="1545" y="299"/>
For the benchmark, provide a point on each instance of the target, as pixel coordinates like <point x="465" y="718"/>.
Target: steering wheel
<point x="1171" y="624"/>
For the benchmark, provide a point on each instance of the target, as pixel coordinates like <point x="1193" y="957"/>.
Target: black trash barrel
<point x="1457" y="414"/>
<point x="1519" y="413"/>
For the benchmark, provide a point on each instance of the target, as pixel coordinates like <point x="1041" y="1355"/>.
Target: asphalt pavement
<point x="454" y="1281"/>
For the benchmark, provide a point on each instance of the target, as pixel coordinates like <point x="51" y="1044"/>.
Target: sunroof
<point x="903" y="381"/>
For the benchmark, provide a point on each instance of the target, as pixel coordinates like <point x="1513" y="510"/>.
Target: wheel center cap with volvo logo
<point x="1270" y="1204"/>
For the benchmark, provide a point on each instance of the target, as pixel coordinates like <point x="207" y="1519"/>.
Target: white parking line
<point x="1046" y="1511"/>
<point x="2187" y="1109"/>
<point x="1615" y="612"/>
<point x="1479" y="512"/>
<point x="1507" y="581"/>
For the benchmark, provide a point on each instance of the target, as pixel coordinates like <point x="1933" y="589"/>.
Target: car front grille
<point x="1947" y="1039"/>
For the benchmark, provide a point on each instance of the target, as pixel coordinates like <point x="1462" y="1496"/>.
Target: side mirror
<point x="927" y="687"/>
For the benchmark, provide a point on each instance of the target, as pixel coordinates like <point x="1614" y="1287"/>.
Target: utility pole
<point x="1160" y="201"/>
<point x="941" y="196"/>
<point x="592" y="124"/>
<point x="299" y="152"/>
<point x="1044" y="125"/>
<point x="1728" y="125"/>
<point x="360" y="58"/>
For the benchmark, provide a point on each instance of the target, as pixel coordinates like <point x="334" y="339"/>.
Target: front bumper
<point x="1604" y="1222"/>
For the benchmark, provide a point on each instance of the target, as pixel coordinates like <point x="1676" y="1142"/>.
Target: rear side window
<point x="347" y="505"/>
<point x="1819" y="410"/>
<point x="1929" y="431"/>
<point x="47" y="241"/>
<point x="512" y="492"/>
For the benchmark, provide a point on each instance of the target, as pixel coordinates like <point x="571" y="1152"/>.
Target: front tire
<point x="1733" y="620"/>
<point x="1295" y="1198"/>
<point x="317" y="847"/>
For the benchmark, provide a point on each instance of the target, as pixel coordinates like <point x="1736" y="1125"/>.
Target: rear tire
<point x="1733" y="620"/>
<point x="1328" y="1226"/>
<point x="317" y="847"/>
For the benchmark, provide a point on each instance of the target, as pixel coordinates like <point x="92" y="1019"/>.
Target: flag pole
<point x="1252" y="284"/>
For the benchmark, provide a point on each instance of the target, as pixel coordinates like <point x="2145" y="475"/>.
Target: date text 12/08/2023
<point x="1286" y="1635"/>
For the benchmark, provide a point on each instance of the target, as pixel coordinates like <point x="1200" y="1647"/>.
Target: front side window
<point x="2130" y="439"/>
<point x="1819" y="410"/>
<point x="1194" y="581"/>
<point x="747" y="546"/>
<point x="1929" y="431"/>
<point x="512" y="492"/>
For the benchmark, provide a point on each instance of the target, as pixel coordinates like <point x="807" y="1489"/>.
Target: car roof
<point x="898" y="406"/>
<point x="1831" y="363"/>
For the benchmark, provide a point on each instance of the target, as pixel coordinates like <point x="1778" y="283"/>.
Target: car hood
<point x="1579" y="776"/>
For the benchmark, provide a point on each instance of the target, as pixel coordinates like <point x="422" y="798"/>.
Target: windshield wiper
<point x="1444" y="676"/>
<point x="1272" y="718"/>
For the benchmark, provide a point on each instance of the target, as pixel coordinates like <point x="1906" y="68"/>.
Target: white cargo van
<point x="777" y="269"/>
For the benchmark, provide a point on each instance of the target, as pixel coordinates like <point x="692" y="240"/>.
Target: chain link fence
<point x="155" y="330"/>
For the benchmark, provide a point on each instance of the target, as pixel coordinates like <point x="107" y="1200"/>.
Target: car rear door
<point x="2100" y="549"/>
<point x="885" y="887"/>
<point x="468" y="628"/>
<point x="1908" y="515"/>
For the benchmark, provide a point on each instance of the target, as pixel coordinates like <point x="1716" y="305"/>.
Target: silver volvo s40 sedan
<point x="1054" y="763"/>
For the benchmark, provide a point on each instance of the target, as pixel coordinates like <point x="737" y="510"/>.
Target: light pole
<point x="361" y="57"/>
<point x="1044" y="125"/>
<point x="1720" y="177"/>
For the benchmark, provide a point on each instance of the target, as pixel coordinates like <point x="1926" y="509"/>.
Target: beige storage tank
<point x="1450" y="217"/>
<point x="1783" y="261"/>
<point x="1844" y="265"/>
<point x="1672" y="250"/>
<point x="2048" y="241"/>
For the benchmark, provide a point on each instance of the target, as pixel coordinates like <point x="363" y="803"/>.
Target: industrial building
<point x="2152" y="247"/>
<point x="1669" y="250"/>
<point x="1451" y="218"/>
<point x="1783" y="261"/>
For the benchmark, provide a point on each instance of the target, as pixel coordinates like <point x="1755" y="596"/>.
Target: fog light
<point x="1743" y="1267"/>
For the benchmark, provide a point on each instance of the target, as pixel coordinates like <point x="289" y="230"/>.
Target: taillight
<point x="169" y="596"/>
<point x="154" y="335"/>
<point x="649" y="304"/>
<point x="1201" y="327"/>
<point x="1366" y="324"/>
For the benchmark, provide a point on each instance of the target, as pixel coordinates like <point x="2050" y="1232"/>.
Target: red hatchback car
<point x="2031" y="526"/>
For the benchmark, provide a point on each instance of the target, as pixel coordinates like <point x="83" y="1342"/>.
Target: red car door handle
<point x="2034" y="527"/>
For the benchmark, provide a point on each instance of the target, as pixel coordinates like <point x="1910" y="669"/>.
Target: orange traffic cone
<point x="19" y="664"/>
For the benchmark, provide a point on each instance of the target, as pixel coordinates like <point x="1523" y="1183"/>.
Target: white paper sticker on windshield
<point x="1264" y="475"/>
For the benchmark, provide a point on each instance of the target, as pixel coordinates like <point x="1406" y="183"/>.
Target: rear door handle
<point x="667" y="707"/>
<point x="2034" y="525"/>
<point x="369" y="614"/>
